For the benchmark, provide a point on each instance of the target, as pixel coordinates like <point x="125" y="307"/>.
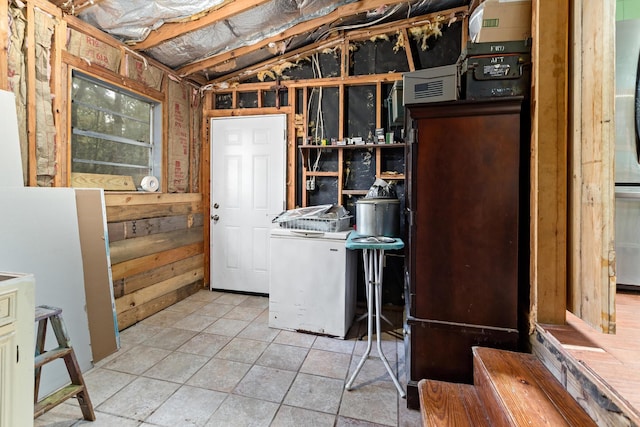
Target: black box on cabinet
<point x="497" y="69"/>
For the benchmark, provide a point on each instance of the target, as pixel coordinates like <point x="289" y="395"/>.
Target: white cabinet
<point x="17" y="307"/>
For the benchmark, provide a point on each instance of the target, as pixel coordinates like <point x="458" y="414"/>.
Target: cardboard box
<point x="504" y="20"/>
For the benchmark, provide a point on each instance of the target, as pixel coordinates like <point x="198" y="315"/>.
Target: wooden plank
<point x="238" y="112"/>
<point x="62" y="110"/>
<point x="129" y="199"/>
<point x="205" y="180"/>
<point x="592" y="276"/>
<point x="135" y="212"/>
<point x="304" y="27"/>
<point x="144" y="227"/>
<point x="32" y="164"/>
<point x="56" y="398"/>
<point x="549" y="161"/>
<point x="223" y="11"/>
<point x="599" y="399"/>
<point x="116" y="231"/>
<point x="160" y="258"/>
<point x="450" y="404"/>
<point x="111" y="77"/>
<point x="336" y="39"/>
<point x="118" y="288"/>
<point x="291" y="151"/>
<point x="58" y="73"/>
<point x="129" y="249"/>
<point x="519" y="385"/>
<point x="143" y="311"/>
<point x="106" y="182"/>
<point x="4" y="42"/>
<point x="165" y="131"/>
<point x="143" y="280"/>
<point x="407" y="48"/>
<point x="149" y="293"/>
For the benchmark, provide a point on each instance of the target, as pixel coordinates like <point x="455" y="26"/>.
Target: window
<point x="114" y="132"/>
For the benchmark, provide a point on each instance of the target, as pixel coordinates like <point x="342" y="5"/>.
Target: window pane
<point x="85" y="117"/>
<point x="96" y="149"/>
<point x="112" y="131"/>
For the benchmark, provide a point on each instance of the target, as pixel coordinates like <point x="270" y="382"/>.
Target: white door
<point x="247" y="192"/>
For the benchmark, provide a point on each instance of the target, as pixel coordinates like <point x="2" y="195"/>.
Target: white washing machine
<point x="312" y="282"/>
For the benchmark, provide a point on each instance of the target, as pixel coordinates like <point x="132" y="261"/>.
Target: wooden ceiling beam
<point x="225" y="10"/>
<point x="302" y="28"/>
<point x="352" y="36"/>
<point x="74" y="6"/>
<point x="293" y="56"/>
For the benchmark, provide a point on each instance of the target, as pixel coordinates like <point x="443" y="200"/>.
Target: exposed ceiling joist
<point x="225" y="10"/>
<point x="219" y="40"/>
<point x="333" y="41"/>
<point x="304" y="27"/>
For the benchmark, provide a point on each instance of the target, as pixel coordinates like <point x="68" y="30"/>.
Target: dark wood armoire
<point x="468" y="219"/>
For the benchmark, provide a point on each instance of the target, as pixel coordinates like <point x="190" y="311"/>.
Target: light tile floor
<point x="212" y="360"/>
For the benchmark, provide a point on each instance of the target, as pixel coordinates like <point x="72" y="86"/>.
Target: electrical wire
<point x="318" y="132"/>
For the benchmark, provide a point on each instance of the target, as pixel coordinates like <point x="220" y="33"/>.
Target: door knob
<point x="216" y="206"/>
<point x="215" y="217"/>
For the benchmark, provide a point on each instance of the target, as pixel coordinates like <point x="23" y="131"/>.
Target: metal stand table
<point x="373" y="257"/>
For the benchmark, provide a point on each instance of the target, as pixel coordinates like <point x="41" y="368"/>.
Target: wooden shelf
<point x="351" y="146"/>
<point x="354" y="192"/>
<point x="392" y="176"/>
<point x="323" y="173"/>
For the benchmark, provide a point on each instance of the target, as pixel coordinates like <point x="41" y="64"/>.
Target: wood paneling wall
<point x="592" y="281"/>
<point x="549" y="161"/>
<point x="157" y="251"/>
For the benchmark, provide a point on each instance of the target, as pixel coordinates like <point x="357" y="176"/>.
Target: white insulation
<point x="133" y="20"/>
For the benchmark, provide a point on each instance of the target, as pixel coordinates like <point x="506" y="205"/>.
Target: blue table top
<point x="357" y="241"/>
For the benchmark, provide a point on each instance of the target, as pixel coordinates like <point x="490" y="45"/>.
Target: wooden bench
<point x="510" y="389"/>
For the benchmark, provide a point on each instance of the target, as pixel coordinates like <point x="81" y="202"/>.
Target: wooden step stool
<point x="64" y="351"/>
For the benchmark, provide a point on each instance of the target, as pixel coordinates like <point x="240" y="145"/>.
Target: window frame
<point x="157" y="145"/>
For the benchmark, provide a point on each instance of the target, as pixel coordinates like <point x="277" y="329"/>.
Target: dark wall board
<point x="326" y="191"/>
<point x="247" y="100"/>
<point x="326" y="160"/>
<point x="378" y="57"/>
<point x="269" y="97"/>
<point x="329" y="63"/>
<point x="299" y="101"/>
<point x="442" y="50"/>
<point x="298" y="181"/>
<point x="360" y="111"/>
<point x="323" y="122"/>
<point x="392" y="160"/>
<point x="223" y="101"/>
<point x="359" y="169"/>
